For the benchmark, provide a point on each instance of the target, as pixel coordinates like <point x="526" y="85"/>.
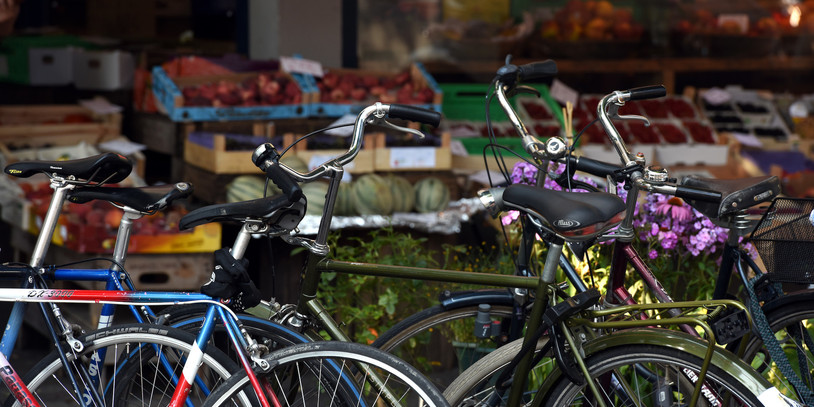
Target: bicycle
<point x="735" y="218"/>
<point x="145" y="344"/>
<point x="597" y="212"/>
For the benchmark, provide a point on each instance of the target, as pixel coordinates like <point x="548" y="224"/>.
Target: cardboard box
<point x="412" y="158"/>
<point x="41" y="125"/>
<point x="15" y="54"/>
<point x="209" y="151"/>
<point x="103" y="70"/>
<point x="50" y="66"/>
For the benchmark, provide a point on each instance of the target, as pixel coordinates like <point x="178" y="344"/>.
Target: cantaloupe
<point x="247" y="187"/>
<point x="431" y="195"/>
<point x="315" y="194"/>
<point x="403" y="193"/>
<point x="372" y="196"/>
<point x="344" y="200"/>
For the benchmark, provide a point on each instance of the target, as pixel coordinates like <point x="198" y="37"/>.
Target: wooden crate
<point x="208" y="150"/>
<point x="41" y="125"/>
<point x="363" y="163"/>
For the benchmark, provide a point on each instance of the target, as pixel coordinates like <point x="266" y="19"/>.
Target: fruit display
<point x="402" y="192"/>
<point x="315" y="194"/>
<point x="348" y="86"/>
<point x="247" y="187"/>
<point x="591" y="20"/>
<point x="265" y="88"/>
<point x="91" y="227"/>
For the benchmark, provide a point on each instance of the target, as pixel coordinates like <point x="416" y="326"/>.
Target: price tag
<point x="563" y="93"/>
<point x="412" y="157"/>
<point x="457" y="148"/>
<point x="299" y="65"/>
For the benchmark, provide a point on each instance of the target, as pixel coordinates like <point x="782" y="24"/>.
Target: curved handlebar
<point x="647" y="92"/>
<point x="537" y="70"/>
<point x="698" y="194"/>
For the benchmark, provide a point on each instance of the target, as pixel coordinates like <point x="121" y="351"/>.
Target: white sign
<point x="299" y="65"/>
<point x="563" y="93"/>
<point x="412" y="157"/>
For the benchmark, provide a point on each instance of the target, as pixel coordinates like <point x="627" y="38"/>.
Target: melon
<point x="248" y="187"/>
<point x="344" y="200"/>
<point x="315" y="194"/>
<point x="403" y="194"/>
<point x="295" y="163"/>
<point x="431" y="195"/>
<point x="371" y="195"/>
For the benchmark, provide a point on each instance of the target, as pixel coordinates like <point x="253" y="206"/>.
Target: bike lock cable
<point x="773" y="346"/>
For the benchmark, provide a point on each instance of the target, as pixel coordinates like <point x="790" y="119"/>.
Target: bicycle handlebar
<point x="266" y="156"/>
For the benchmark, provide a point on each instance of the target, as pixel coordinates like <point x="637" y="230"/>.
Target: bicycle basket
<point x="784" y="238"/>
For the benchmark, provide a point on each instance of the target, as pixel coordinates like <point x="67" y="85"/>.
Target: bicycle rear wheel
<point x="331" y="374"/>
<point x="791" y="318"/>
<point x="648" y="372"/>
<point x="132" y="373"/>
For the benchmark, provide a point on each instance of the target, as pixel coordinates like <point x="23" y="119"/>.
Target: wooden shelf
<point x="668" y="68"/>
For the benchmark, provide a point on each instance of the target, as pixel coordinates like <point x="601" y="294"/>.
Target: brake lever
<point x="385" y="123"/>
<point x="613" y="114"/>
<point x="524" y="89"/>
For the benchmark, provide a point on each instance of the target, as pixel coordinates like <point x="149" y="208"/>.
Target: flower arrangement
<point x="682" y="244"/>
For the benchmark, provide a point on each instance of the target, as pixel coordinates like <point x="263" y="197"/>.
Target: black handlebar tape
<point x="698" y="194"/>
<point x="284" y="181"/>
<point x="416" y="114"/>
<point x="647" y="92"/>
<point x="594" y="167"/>
<point x="537" y="70"/>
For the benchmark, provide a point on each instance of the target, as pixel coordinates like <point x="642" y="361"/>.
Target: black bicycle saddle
<point x="107" y="168"/>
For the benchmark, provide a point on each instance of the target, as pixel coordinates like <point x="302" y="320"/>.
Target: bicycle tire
<point x="126" y="381"/>
<point x="327" y="362"/>
<point x="792" y="310"/>
<point x="475" y="384"/>
<point x="412" y="338"/>
<point x="629" y="360"/>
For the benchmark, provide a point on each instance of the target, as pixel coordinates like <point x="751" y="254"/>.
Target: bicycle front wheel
<point x="140" y="367"/>
<point x="332" y="374"/>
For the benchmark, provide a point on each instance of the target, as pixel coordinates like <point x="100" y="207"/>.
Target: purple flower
<point x="653" y="254"/>
<point x="674" y="208"/>
<point x="524" y="173"/>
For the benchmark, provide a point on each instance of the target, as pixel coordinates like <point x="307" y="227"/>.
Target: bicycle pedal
<point x="730" y="327"/>
<point x="571" y="306"/>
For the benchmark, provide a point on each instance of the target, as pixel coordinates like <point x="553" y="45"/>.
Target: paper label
<point x="741" y="21"/>
<point x="773" y="398"/>
<point x="563" y="93"/>
<point x="299" y="65"/>
<point x="457" y="148"/>
<point x="412" y="157"/>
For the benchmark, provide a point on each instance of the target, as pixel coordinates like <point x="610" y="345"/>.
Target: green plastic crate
<point x="466" y="101"/>
<point x="475" y="145"/>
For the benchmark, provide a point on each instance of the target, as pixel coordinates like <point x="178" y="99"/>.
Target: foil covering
<point x="445" y="222"/>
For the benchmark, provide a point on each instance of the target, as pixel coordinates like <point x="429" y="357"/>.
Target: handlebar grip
<point x="284" y="181"/>
<point x="594" y="167"/>
<point x="537" y="70"/>
<point x="647" y="92"/>
<point x="698" y="194"/>
<point x="416" y="114"/>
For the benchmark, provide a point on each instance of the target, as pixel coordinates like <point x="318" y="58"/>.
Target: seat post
<point x="49" y="223"/>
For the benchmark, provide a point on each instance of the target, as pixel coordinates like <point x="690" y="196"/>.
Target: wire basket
<point x="784" y="238"/>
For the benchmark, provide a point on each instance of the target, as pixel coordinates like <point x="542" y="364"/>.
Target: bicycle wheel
<point x="131" y="372"/>
<point x="791" y="318"/>
<point x="653" y="371"/>
<point x="649" y="375"/>
<point x="331" y="374"/>
<point x="437" y="327"/>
